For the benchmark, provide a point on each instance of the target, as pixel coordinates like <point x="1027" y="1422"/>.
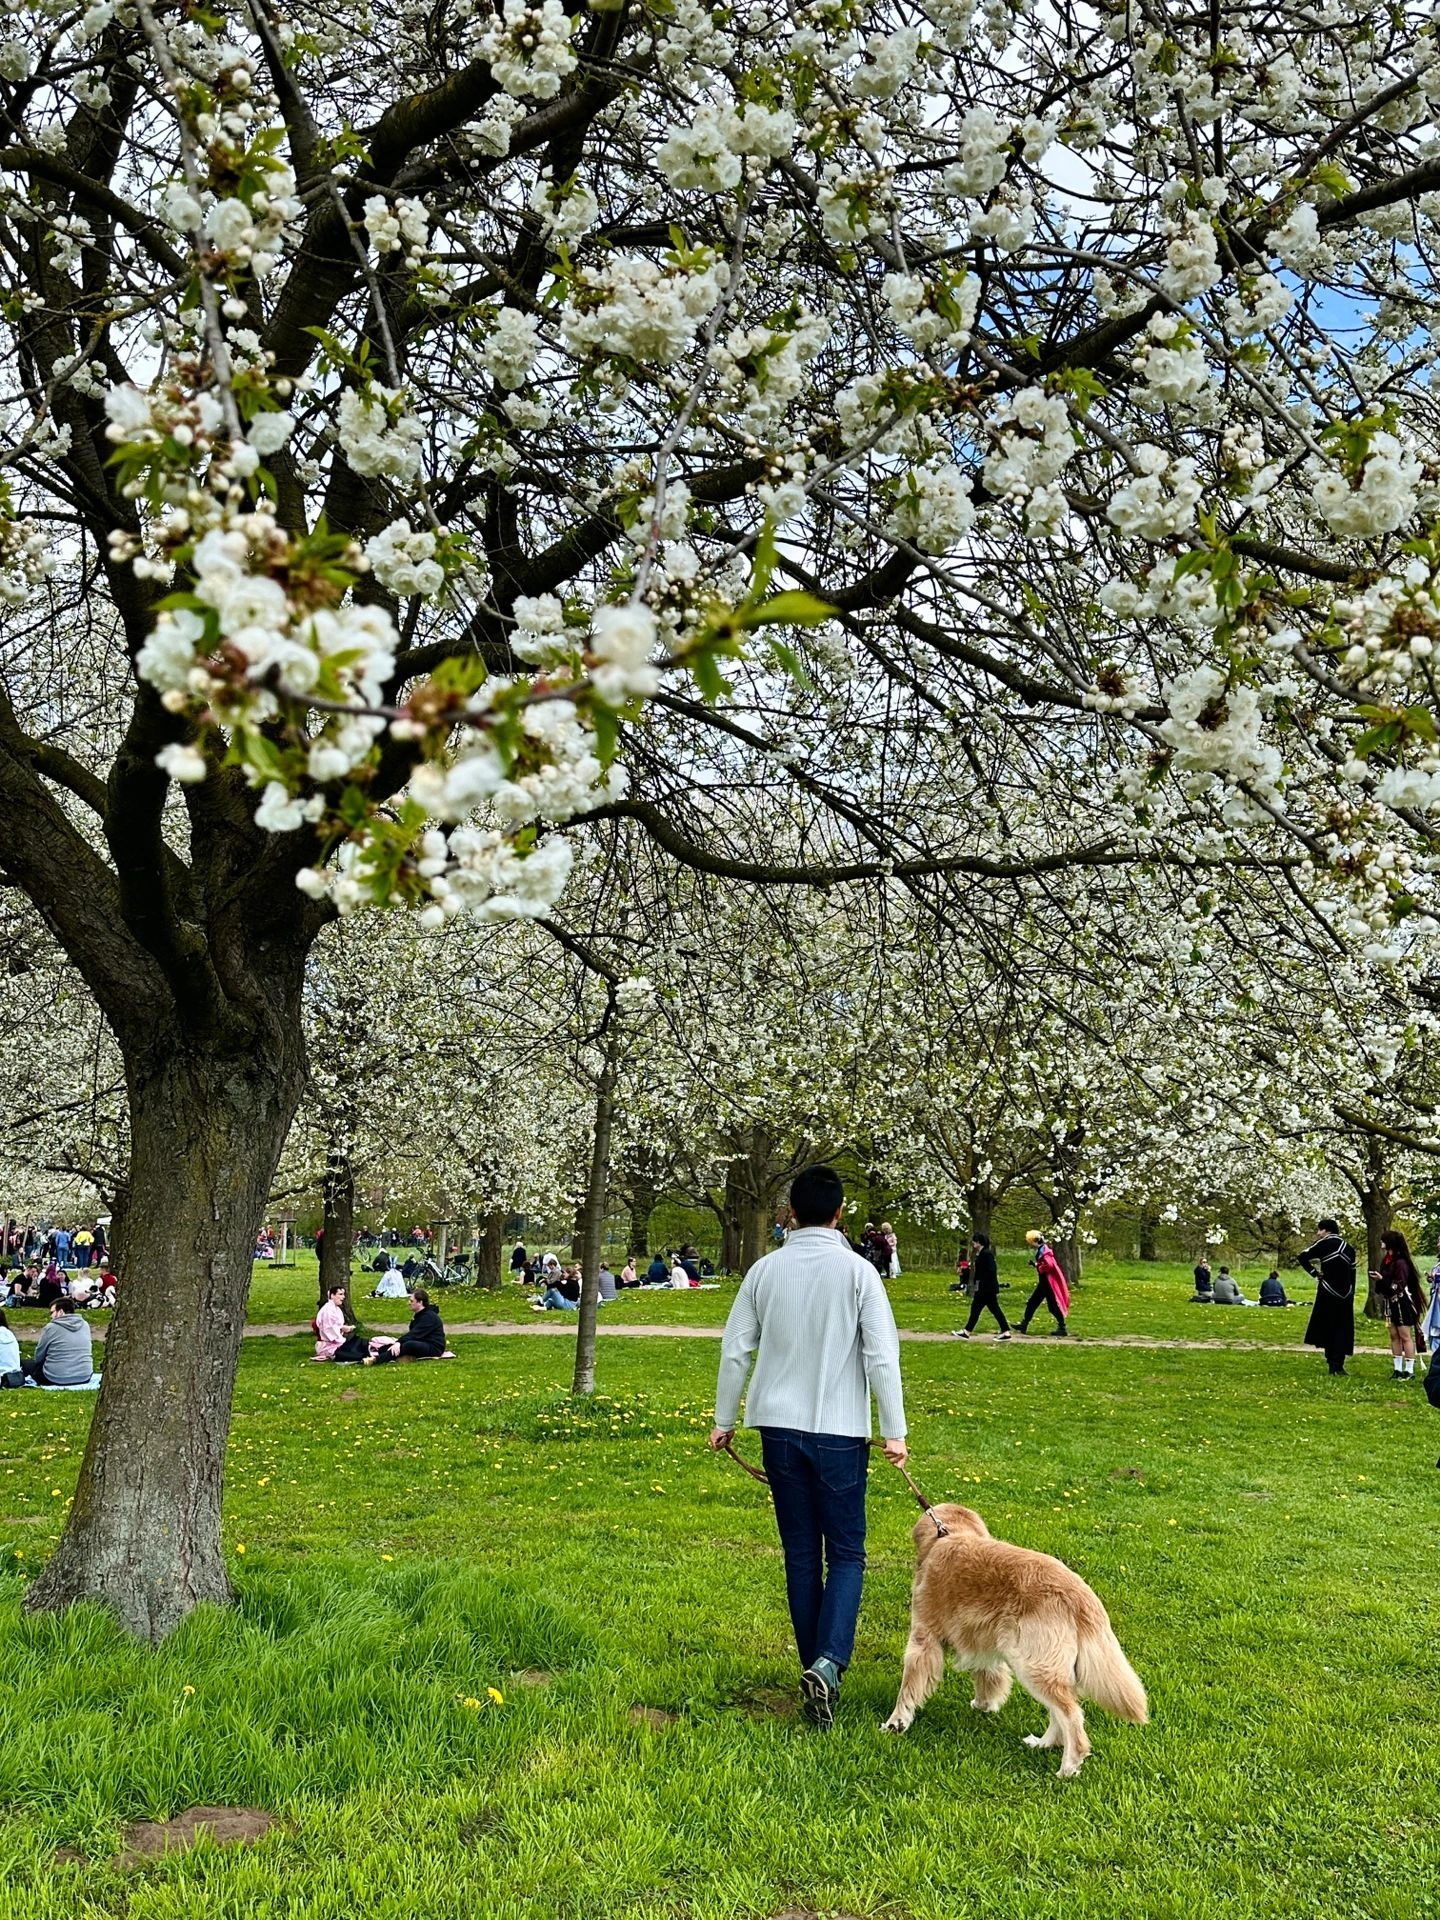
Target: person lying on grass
<point x="424" y="1339"/>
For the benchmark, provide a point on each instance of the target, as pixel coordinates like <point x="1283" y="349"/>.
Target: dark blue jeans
<point x="817" y="1481"/>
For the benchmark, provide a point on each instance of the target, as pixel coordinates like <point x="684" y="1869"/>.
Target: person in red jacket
<point x="1051" y="1288"/>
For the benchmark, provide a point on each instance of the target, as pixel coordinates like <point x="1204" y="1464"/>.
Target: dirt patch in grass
<point x="650" y="1717"/>
<point x="226" y="1826"/>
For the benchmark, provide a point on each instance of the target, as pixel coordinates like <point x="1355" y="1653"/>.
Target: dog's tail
<point x="1104" y="1675"/>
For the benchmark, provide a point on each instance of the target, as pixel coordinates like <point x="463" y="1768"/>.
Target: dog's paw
<point x="1068" y="1772"/>
<point x="894" y="1725"/>
<point x="1034" y="1739"/>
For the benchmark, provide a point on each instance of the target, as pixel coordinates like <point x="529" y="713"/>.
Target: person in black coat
<point x="985" y="1284"/>
<point x="1331" y="1262"/>
<point x="424" y="1339"/>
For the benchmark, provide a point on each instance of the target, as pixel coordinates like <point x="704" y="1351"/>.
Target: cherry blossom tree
<point x="425" y="435"/>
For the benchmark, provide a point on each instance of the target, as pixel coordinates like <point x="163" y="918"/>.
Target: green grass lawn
<point x="407" y="1540"/>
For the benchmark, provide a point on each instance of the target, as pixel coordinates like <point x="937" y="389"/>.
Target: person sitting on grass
<point x="62" y="1356"/>
<point x="330" y="1325"/>
<point x="607" y="1282"/>
<point x="562" y="1295"/>
<point x="679" y="1275"/>
<point x="1272" y="1290"/>
<point x="1204" y="1287"/>
<point x="9" y="1348"/>
<point x="391" y="1284"/>
<point x="423" y="1339"/>
<point x="1227" y="1290"/>
<point x="657" y="1274"/>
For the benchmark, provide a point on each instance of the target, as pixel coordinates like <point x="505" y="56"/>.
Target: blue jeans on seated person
<point x="817" y="1481"/>
<point x="554" y="1298"/>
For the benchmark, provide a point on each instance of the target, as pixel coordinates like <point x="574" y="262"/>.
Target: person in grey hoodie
<point x="62" y="1356"/>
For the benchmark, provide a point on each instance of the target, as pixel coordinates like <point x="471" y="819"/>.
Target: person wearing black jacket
<point x="1331" y="1263"/>
<point x="985" y="1285"/>
<point x="424" y="1339"/>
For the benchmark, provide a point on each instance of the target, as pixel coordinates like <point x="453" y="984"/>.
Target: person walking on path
<point x="817" y="1322"/>
<point x="985" y="1295"/>
<point x="1052" y="1290"/>
<point x="1330" y="1261"/>
<point x="1403" y="1299"/>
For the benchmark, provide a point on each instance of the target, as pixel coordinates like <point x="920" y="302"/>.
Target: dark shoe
<point x="818" y="1693"/>
<point x="1007" y="1335"/>
<point x="1061" y="1333"/>
<point x="961" y="1333"/>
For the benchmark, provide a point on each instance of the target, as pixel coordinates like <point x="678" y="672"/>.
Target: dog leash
<point x="755" y="1473"/>
<point x="926" y="1506"/>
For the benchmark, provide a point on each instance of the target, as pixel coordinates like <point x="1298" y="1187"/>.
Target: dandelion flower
<point x="496" y="1695"/>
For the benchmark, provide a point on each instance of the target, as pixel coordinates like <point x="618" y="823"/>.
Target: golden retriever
<point x="1003" y="1610"/>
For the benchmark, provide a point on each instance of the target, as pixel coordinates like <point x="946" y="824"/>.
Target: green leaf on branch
<point x="794" y="609"/>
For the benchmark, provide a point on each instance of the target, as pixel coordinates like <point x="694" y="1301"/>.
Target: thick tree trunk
<point x="338" y="1240"/>
<point x="1149" y="1246"/>
<point x="980" y="1205"/>
<point x="1377" y="1204"/>
<point x="1067" y="1252"/>
<point x="754" y="1234"/>
<point x="490" y="1249"/>
<point x="143" y="1533"/>
<point x="594" y="1237"/>
<point x="732" y="1221"/>
<point x="642" y="1205"/>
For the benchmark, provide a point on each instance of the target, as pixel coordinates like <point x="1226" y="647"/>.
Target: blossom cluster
<point x="636" y="307"/>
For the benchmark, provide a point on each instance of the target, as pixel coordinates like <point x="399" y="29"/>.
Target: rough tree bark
<point x="594" y="1233"/>
<point x="490" y="1250"/>
<point x="143" y="1533"/>
<point x="980" y="1205"/>
<point x="642" y="1206"/>
<point x="1377" y="1202"/>
<point x="338" y="1239"/>
<point x="1148" y="1228"/>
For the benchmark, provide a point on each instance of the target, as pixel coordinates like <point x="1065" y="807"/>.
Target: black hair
<point x="66" y="1304"/>
<point x="419" y="1293"/>
<point x="816" y="1196"/>
<point x="981" y="1239"/>
<point x="3" y="1321"/>
<point x="1327" y="1225"/>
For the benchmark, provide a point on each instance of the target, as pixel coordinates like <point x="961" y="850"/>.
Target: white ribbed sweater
<point x="820" y="1320"/>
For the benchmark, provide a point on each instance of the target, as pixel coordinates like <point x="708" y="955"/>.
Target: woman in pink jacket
<point x="1051" y="1289"/>
<point x="330" y="1327"/>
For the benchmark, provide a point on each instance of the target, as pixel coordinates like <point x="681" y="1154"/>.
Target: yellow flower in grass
<point x="239" y="1546"/>
<point x="466" y="1701"/>
<point x="496" y="1695"/>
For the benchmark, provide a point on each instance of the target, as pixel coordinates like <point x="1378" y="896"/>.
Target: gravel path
<point x="556" y="1327"/>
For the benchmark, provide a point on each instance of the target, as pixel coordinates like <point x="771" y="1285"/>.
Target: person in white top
<point x="815" y="1317"/>
<point x="678" y="1276"/>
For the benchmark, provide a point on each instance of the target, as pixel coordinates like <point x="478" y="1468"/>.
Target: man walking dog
<point x="817" y="1316"/>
